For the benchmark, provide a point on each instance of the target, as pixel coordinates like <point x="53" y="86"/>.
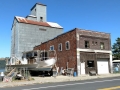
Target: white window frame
<point x="61" y="46"/>
<point x="68" y="45"/>
<point x="102" y="45"/>
<point x="87" y="44"/>
<point x="51" y="47"/>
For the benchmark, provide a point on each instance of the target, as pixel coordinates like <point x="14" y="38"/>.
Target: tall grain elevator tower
<point x="32" y="30"/>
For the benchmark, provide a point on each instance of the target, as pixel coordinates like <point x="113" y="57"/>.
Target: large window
<point x="90" y="64"/>
<point x="87" y="44"/>
<point x="44" y="55"/>
<point x="67" y="45"/>
<point x="60" y="47"/>
<point x="102" y="46"/>
<point x="52" y="47"/>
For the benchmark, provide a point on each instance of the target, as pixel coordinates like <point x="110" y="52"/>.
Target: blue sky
<point x="96" y="15"/>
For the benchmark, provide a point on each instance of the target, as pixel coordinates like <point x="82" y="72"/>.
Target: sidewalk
<point x="41" y="80"/>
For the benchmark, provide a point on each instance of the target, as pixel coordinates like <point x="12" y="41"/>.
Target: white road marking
<point x="71" y="84"/>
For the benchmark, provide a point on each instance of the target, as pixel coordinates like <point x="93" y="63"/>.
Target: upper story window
<point x="94" y="43"/>
<point x="60" y="47"/>
<point x="102" y="46"/>
<point x="41" y="19"/>
<point x="52" y="47"/>
<point x="67" y="45"/>
<point x="87" y="44"/>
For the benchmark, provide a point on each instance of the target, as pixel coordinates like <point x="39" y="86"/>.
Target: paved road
<point x="96" y="84"/>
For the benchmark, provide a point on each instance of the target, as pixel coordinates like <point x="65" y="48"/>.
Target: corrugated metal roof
<point x="47" y="24"/>
<point x="54" y="24"/>
<point x="32" y="16"/>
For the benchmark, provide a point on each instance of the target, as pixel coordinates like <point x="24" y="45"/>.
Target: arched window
<point x="60" y="47"/>
<point x="67" y="45"/>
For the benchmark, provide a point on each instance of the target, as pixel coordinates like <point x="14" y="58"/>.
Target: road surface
<point x="96" y="84"/>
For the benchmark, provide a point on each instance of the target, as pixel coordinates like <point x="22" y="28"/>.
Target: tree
<point x="116" y="49"/>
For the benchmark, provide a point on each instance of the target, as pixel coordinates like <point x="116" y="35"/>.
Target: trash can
<point x="54" y="73"/>
<point x="74" y="74"/>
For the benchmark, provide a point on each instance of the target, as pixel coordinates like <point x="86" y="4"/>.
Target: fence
<point x="116" y="68"/>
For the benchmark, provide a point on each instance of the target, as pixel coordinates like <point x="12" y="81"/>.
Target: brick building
<point x="83" y="50"/>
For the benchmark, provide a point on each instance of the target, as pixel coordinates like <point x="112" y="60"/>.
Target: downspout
<point x="111" y="71"/>
<point x="78" y="55"/>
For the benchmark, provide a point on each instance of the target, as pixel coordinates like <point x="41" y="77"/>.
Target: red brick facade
<point x="94" y="38"/>
<point x="63" y="56"/>
<point x="77" y="38"/>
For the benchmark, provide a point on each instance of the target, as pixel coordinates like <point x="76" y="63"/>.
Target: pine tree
<point x="116" y="49"/>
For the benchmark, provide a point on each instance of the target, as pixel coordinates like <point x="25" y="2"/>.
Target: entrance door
<point x="90" y="65"/>
<point x="83" y="68"/>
